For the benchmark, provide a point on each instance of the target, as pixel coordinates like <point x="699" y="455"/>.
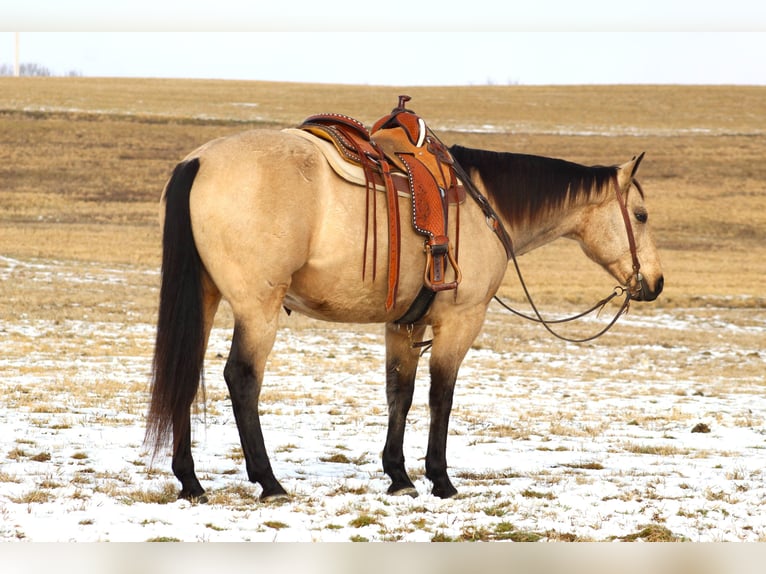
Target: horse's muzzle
<point x="643" y="292"/>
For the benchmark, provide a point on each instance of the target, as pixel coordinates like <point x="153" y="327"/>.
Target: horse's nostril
<point x="660" y="285"/>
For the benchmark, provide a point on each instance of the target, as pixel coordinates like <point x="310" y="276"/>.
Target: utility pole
<point x="16" y="64"/>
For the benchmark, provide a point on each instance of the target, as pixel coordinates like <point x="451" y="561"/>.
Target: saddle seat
<point x="401" y="157"/>
<point x="353" y="172"/>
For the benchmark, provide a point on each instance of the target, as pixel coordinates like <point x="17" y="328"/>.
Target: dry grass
<point x="652" y="533"/>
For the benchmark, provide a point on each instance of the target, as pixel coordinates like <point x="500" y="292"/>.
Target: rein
<point x="495" y="223"/>
<point x="497" y="226"/>
<point x="618" y="290"/>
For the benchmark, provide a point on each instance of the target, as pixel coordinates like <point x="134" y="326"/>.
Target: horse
<point x="261" y="220"/>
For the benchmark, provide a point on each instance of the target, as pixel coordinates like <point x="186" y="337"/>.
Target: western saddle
<point x="401" y="155"/>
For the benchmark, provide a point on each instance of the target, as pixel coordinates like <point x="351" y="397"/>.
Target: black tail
<point x="180" y="347"/>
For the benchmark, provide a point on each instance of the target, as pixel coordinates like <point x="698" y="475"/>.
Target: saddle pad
<point x="345" y="169"/>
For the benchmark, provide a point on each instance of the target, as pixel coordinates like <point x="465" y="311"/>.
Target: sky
<point x="656" y="41"/>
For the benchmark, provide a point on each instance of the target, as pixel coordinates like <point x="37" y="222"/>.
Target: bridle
<point x="623" y="202"/>
<point x="618" y="290"/>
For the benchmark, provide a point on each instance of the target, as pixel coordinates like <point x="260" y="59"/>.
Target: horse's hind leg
<point x="183" y="469"/>
<point x="244" y="370"/>
<point x="401" y="367"/>
<point x="183" y="463"/>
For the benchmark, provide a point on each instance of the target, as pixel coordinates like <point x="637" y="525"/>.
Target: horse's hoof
<point x="275" y="498"/>
<point x="445" y="490"/>
<point x="193" y="497"/>
<point x="410" y="491"/>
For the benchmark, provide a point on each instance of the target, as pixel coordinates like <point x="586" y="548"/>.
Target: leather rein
<point x="618" y="290"/>
<point x="497" y="226"/>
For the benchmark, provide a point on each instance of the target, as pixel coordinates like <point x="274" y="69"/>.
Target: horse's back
<point x="256" y="175"/>
<point x="270" y="215"/>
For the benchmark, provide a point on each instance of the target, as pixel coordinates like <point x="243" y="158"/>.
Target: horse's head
<point x="615" y="234"/>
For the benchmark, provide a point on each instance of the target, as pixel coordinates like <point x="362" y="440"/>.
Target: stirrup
<point x="433" y="277"/>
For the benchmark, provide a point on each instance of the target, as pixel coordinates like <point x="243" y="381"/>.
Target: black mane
<point x="525" y="188"/>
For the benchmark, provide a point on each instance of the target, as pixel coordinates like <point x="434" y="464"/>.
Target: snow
<point x="562" y="441"/>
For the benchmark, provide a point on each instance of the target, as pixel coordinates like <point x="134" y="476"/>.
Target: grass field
<point x="82" y="164"/>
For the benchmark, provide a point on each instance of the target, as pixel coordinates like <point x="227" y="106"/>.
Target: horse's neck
<point x="527" y="236"/>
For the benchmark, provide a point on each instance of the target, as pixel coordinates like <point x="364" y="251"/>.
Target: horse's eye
<point x="641" y="216"/>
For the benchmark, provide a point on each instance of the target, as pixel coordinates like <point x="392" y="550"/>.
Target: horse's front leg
<point x="452" y="339"/>
<point x="440" y="403"/>
<point x="401" y="368"/>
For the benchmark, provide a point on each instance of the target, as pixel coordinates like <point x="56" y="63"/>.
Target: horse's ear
<point x="627" y="171"/>
<point x="637" y="161"/>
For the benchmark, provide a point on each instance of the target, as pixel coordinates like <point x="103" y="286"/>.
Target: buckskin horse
<point x="262" y="220"/>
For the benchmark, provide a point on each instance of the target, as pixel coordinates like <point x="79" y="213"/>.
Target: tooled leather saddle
<point x="402" y="155"/>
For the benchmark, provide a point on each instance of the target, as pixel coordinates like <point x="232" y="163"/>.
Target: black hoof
<point x="444" y="490"/>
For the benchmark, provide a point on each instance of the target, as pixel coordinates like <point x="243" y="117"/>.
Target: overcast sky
<point x="552" y="42"/>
